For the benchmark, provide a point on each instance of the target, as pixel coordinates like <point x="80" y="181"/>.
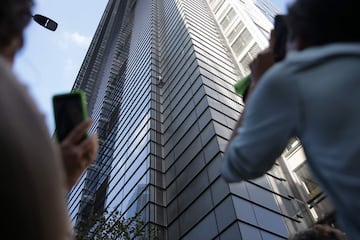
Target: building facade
<point x="158" y="78"/>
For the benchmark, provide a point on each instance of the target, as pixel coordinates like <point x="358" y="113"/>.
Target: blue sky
<point x="49" y="62"/>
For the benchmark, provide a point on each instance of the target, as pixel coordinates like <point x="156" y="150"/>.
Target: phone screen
<point x="68" y="112"/>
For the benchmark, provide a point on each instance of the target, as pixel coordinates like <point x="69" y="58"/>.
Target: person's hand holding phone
<point x="78" y="155"/>
<point x="77" y="148"/>
<point x="70" y="109"/>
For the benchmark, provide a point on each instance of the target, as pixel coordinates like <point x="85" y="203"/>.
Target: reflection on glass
<point x="235" y="31"/>
<point x="229" y="17"/>
<point x="249" y="57"/>
<point x="306" y="194"/>
<point x="217" y="5"/>
<point x="309" y="187"/>
<point x="241" y="42"/>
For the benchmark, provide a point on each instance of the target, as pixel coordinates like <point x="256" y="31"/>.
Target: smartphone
<point x="281" y="33"/>
<point x="69" y="110"/>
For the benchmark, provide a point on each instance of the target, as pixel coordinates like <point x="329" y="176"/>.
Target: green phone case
<point x="69" y="110"/>
<point x="242" y="85"/>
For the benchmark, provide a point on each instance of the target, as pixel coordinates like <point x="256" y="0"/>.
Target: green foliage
<point x="114" y="227"/>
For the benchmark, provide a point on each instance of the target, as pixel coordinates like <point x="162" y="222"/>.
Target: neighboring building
<point x="159" y="78"/>
<point x="304" y="187"/>
<point x="266" y="7"/>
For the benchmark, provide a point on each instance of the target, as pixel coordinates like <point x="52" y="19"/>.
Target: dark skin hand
<point x="78" y="156"/>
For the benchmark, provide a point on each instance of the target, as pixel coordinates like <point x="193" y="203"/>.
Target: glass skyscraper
<point x="158" y="78"/>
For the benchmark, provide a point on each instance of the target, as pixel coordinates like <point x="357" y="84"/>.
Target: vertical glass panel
<point x="269" y="236"/>
<point x="308" y="186"/>
<point x="244" y="211"/>
<point x="139" y="198"/>
<point x="241" y="42"/>
<point x="206" y="229"/>
<point x="270" y="220"/>
<point x="248" y="232"/>
<point x="132" y="195"/>
<point x="254" y="51"/>
<point x="262" y="196"/>
<point x="235" y="31"/>
<point x="230" y="233"/>
<point x="217" y="5"/>
<point x="249" y="57"/>
<point x="229" y="17"/>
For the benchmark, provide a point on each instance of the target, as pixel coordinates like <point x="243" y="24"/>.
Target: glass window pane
<point x="241" y="42"/>
<point x="249" y="232"/>
<point x="237" y="29"/>
<point x="229" y="17"/>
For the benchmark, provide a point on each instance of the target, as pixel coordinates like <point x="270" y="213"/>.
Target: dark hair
<point x="324" y="21"/>
<point x="319" y="232"/>
<point x="15" y="15"/>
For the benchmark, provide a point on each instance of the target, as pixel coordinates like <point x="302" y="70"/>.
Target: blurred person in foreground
<point x="313" y="94"/>
<point x="36" y="172"/>
<point x="319" y="232"/>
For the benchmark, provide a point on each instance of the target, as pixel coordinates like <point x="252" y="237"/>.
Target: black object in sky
<point x="45" y="22"/>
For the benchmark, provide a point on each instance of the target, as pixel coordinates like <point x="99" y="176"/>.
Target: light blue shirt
<point x="314" y="95"/>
